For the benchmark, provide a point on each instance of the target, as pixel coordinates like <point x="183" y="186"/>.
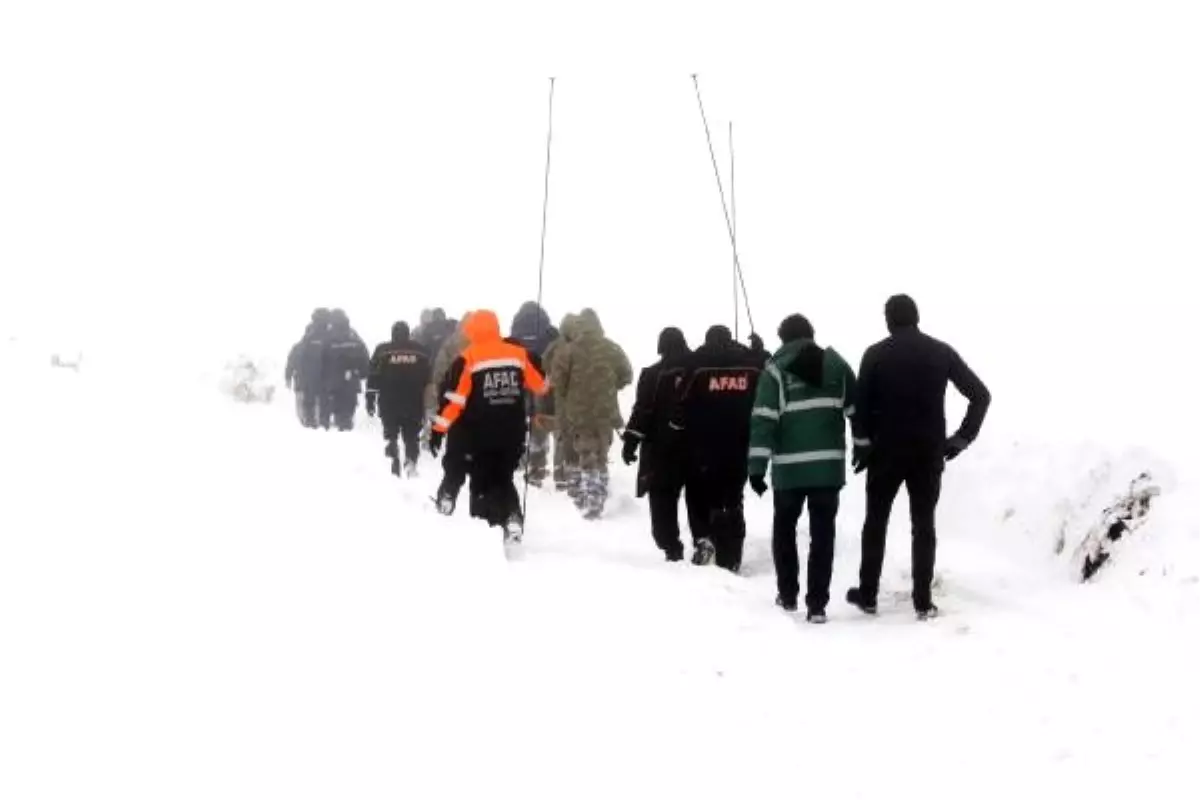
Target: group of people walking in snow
<point x="504" y="401"/>
<point x="708" y="422"/>
<point x="325" y="370"/>
<point x="705" y="424"/>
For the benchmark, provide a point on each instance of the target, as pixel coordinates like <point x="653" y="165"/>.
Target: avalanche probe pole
<point x="733" y="214"/>
<point x="737" y="265"/>
<point x="541" y="283"/>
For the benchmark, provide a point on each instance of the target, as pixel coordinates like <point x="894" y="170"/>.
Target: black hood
<point x="809" y="364"/>
<point x="401" y="332"/>
<point x="672" y="343"/>
<point x="718" y="336"/>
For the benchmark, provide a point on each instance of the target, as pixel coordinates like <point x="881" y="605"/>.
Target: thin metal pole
<point x="541" y="284"/>
<point x="733" y="214"/>
<point x="724" y="206"/>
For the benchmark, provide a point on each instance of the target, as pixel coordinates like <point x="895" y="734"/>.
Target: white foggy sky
<point x="199" y="175"/>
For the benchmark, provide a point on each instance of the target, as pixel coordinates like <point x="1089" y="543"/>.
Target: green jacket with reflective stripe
<point x="800" y="429"/>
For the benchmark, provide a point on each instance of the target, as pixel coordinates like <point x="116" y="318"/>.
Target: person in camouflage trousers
<point x="548" y="423"/>
<point x="451" y="349"/>
<point x="587" y="379"/>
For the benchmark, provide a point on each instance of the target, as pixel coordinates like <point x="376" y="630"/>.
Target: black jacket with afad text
<point x="400" y="371"/>
<point x="713" y="407"/>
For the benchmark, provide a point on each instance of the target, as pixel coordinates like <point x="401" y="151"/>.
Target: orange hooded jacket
<point x="494" y="379"/>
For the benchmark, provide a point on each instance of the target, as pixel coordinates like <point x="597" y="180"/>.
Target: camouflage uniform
<point x="546" y="419"/>
<point x="587" y="378"/>
<point x="451" y="349"/>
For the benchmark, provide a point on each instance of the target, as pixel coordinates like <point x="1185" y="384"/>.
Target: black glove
<point x="862" y="455"/>
<point x="759" y="484"/>
<point x="954" y="447"/>
<point x="629" y="452"/>
<point x="435" y="442"/>
<point x="371" y="404"/>
<point x="756" y="343"/>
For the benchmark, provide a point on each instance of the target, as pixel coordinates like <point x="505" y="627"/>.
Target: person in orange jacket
<point x="488" y="406"/>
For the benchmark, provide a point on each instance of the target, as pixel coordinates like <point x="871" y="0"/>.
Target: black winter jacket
<point x="659" y="385"/>
<point x="713" y="408"/>
<point x="346" y="362"/>
<point x="400" y="371"/>
<point x="902" y="393"/>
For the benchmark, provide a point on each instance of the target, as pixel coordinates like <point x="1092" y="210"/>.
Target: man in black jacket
<point x="661" y="470"/>
<point x="346" y="364"/>
<point x="305" y="371"/>
<point x="400" y="371"/>
<point x="713" y="416"/>
<point x="901" y="402"/>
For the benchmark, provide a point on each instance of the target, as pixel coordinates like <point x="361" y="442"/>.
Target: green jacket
<point x="798" y="427"/>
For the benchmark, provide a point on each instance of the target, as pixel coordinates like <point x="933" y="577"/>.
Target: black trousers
<point x="720" y="511"/>
<point x="664" y="515"/>
<point x="343" y="402"/>
<point x="822" y="527"/>
<point x="456" y="465"/>
<point x="310" y="407"/>
<point x="407" y="430"/>
<point x="494" y="494"/>
<point x="921" y="474"/>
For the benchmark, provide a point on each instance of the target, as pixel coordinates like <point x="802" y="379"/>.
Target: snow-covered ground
<point x="200" y="599"/>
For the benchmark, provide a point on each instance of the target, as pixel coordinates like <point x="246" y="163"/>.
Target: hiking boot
<point x="787" y="605"/>
<point x="927" y="613"/>
<point x="816" y="617"/>
<point x="674" y="553"/>
<point x="855" y="597"/>
<point x="705" y="552"/>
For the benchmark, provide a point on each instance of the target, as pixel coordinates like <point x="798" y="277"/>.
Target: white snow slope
<point x="200" y="599"/>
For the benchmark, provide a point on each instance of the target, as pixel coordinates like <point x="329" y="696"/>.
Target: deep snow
<point x="200" y="599"/>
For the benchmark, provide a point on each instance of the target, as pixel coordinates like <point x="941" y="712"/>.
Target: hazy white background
<point x="192" y="178"/>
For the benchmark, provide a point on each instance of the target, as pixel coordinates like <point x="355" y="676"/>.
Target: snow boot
<point x="855" y="598"/>
<point x="927" y="613"/>
<point x="705" y="552"/>
<point x="787" y="605"/>
<point x="674" y="552"/>
<point x="445" y="504"/>
<point x="514" y="530"/>
<point x="816" y="617"/>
